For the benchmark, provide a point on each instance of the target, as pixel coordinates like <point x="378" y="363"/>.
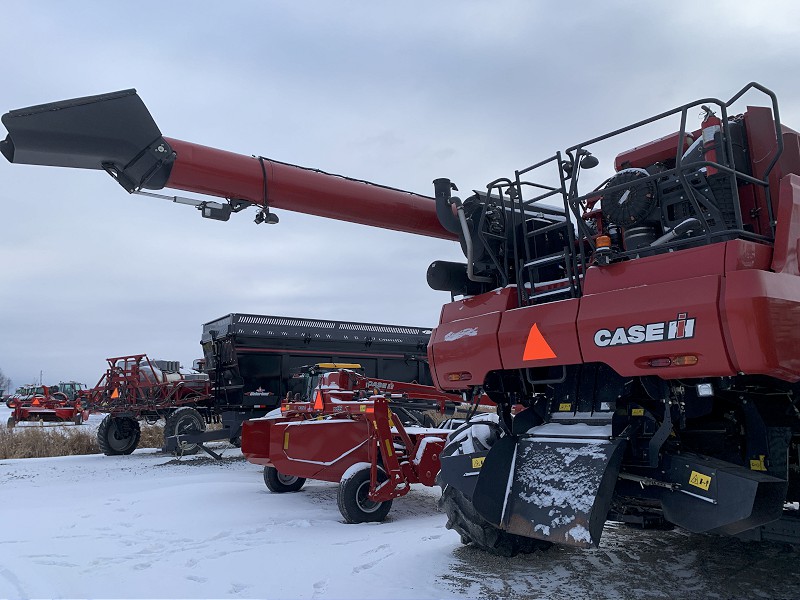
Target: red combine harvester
<point x="350" y="430"/>
<point x="648" y="324"/>
<point x="59" y="405"/>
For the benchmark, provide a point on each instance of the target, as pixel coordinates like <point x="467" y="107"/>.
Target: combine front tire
<point x="353" y="502"/>
<point x="118" y="435"/>
<point x="279" y="483"/>
<point x="474" y="529"/>
<point x="181" y="421"/>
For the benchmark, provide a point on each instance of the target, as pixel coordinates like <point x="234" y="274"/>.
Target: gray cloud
<point x="395" y="93"/>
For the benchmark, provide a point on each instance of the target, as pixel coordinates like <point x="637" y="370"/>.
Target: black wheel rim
<point x="118" y="439"/>
<point x="364" y="503"/>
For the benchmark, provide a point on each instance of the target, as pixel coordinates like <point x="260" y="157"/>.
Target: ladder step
<point x="562" y="290"/>
<point x="560" y="283"/>
<point x="547" y="229"/>
<point x="550" y="259"/>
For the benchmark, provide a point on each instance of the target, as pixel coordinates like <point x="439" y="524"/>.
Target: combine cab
<point x="645" y="323"/>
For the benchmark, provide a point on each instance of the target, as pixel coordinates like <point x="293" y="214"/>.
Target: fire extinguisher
<point x="711" y="127"/>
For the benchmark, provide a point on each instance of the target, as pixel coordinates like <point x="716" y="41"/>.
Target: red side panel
<point x="627" y="328"/>
<point x="540" y="336"/>
<point x="741" y="255"/>
<point x="787" y="232"/>
<point x="671" y="266"/>
<point x="255" y="440"/>
<point x="659" y="150"/>
<point x="761" y="311"/>
<point x="466" y="339"/>
<point x="466" y="346"/>
<point x="319" y="449"/>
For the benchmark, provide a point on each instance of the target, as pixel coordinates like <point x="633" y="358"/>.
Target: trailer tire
<point x="184" y="420"/>
<point x="77" y="419"/>
<point x="118" y="435"/>
<point x="353" y="502"/>
<point x="279" y="483"/>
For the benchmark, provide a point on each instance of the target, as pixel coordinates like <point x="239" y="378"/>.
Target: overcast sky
<point x="398" y="93"/>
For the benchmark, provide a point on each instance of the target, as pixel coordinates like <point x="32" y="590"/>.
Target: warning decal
<point x="700" y="481"/>
<point x="537" y="348"/>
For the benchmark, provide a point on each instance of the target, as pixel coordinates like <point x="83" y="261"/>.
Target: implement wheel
<point x="353" y="502"/>
<point x="118" y="435"/>
<point x="11" y="422"/>
<point x="279" y="483"/>
<point x="181" y="421"/>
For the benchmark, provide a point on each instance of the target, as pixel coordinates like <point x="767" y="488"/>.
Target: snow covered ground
<point x="150" y="526"/>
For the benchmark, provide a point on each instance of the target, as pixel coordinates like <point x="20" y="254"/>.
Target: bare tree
<point x="5" y="383"/>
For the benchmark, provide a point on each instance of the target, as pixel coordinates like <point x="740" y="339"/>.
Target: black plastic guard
<point x="114" y="132"/>
<point x="461" y="471"/>
<point x="719" y="497"/>
<point x="561" y="489"/>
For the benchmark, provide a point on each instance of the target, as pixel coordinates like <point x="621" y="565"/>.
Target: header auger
<point x="638" y="337"/>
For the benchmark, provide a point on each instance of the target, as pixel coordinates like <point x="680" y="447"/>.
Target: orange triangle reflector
<point x="318" y="404"/>
<point x="537" y="348"/>
<point x="115" y="393"/>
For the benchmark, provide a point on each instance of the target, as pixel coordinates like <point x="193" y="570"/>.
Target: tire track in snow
<point x="12" y="579"/>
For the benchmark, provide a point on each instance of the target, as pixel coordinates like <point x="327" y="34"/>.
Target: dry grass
<point x="152" y="436"/>
<point x="40" y="442"/>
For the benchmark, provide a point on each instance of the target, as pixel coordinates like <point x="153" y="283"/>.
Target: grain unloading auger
<point x="640" y="342"/>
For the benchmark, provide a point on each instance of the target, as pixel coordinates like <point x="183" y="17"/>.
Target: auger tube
<point x="116" y="133"/>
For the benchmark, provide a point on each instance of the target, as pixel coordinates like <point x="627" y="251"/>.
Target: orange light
<point x="664" y="361"/>
<point x="684" y="361"/>
<point x="602" y="241"/>
<point x="462" y="376"/>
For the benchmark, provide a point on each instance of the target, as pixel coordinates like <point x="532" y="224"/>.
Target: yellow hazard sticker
<point x="388" y="447"/>
<point x="363" y="408"/>
<point x="286" y="440"/>
<point x="700" y="481"/>
<point x="637" y="412"/>
<point x="477" y="463"/>
<point x="565" y="407"/>
<point x="758" y="464"/>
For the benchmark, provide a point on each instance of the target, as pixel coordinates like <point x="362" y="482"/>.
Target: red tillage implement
<point x="347" y="435"/>
<point x="46" y="406"/>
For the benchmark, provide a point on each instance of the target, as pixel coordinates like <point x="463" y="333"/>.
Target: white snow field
<point x="151" y="526"/>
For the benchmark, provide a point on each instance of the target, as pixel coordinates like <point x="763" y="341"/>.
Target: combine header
<point x="355" y="430"/>
<point x="646" y="324"/>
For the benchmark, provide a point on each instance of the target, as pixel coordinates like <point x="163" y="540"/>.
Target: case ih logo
<point x="681" y="328"/>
